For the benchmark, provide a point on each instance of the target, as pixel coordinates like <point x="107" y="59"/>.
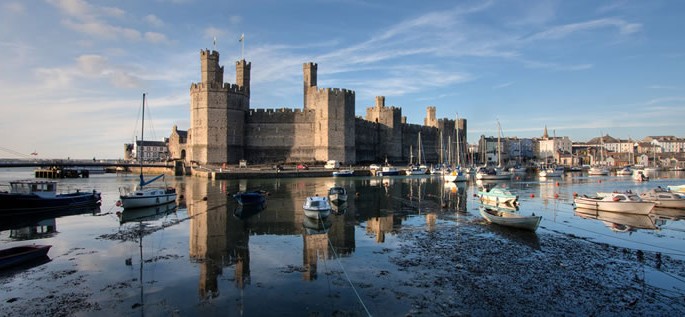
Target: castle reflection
<point x="220" y="229"/>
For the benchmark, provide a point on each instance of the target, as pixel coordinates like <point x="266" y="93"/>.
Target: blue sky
<point x="74" y="71"/>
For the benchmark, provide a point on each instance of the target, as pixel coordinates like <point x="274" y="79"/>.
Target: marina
<point x="231" y="259"/>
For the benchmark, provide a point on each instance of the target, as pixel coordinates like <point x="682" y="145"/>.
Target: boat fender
<point x="615" y="199"/>
<point x="118" y="203"/>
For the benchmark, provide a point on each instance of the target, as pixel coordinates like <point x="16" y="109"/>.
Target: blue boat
<point x="22" y="254"/>
<point x="27" y="197"/>
<point x="250" y="198"/>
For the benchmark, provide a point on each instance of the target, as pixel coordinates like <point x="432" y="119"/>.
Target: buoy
<point x="532" y="195"/>
<point x="557" y="184"/>
<point x="575" y="194"/>
<point x="556" y="195"/>
<point x="599" y="181"/>
<point x="118" y="203"/>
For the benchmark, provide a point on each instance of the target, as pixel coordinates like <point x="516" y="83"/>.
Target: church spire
<point x="545" y="135"/>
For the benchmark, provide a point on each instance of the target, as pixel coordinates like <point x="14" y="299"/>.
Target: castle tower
<point x="242" y="76"/>
<point x="430" y="120"/>
<point x="309" y="71"/>
<point x="217" y="113"/>
<point x="211" y="71"/>
<point x="390" y="129"/>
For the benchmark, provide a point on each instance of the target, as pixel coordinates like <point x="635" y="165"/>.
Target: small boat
<point x="598" y="170"/>
<point x="625" y="171"/>
<point x="640" y="176"/>
<point x="510" y="219"/>
<point x="145" y="197"/>
<point x="417" y="170"/>
<point x="664" y="198"/>
<point x="388" y="171"/>
<point x="337" y="194"/>
<point x="677" y="188"/>
<point x="492" y="173"/>
<point x="343" y="173"/>
<point x="250" y="198"/>
<point x="22" y="254"/>
<point x="552" y="172"/>
<point x="455" y="176"/>
<point x="316" y="207"/>
<point x="27" y="197"/>
<point x="498" y="195"/>
<point x="617" y="202"/>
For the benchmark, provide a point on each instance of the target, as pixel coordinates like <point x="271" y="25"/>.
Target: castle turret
<point x="309" y="70"/>
<point x="211" y="71"/>
<point x="430" y="120"/>
<point x="242" y="76"/>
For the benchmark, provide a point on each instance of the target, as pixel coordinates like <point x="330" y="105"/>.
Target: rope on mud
<point x="354" y="289"/>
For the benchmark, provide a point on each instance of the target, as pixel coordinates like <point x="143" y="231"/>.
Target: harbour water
<point x="208" y="257"/>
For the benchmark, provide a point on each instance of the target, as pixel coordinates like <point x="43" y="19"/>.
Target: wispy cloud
<point x="563" y="31"/>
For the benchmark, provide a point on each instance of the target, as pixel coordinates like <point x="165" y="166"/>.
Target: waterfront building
<point x="550" y="149"/>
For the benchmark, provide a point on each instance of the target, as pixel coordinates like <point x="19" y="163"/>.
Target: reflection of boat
<point x="315" y="226"/>
<point x="34" y="219"/>
<point x="616" y="202"/>
<point x="244" y="212"/>
<point x="337" y="194"/>
<point x="253" y="198"/>
<point x="145" y="197"/>
<point x="22" y="254"/>
<point x="36" y="196"/>
<point x="498" y="196"/>
<point x="146" y="213"/>
<point x="339" y="209"/>
<point x="618" y="221"/>
<point x="510" y="219"/>
<point x="668" y="213"/>
<point x="663" y="198"/>
<point x="316" y="207"/>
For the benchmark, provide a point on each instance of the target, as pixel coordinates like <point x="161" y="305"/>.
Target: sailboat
<point x="489" y="173"/>
<point x="146" y="196"/>
<point x="597" y="169"/>
<point x="418" y="169"/>
<point x="456" y="175"/>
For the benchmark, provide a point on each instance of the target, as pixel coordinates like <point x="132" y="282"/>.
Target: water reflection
<point x="617" y="221"/>
<point x="40" y="225"/>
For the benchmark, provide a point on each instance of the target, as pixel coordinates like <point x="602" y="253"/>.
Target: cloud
<point x="154" y="21"/>
<point x="504" y="85"/>
<point x="155" y="37"/>
<point x="14" y="7"/>
<point x="563" y="31"/>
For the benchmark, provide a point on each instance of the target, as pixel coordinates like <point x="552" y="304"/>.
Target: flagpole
<point x="242" y="48"/>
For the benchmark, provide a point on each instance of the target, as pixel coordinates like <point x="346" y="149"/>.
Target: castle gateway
<point x="224" y="129"/>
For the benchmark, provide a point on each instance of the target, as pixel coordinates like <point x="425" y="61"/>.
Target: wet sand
<point x="471" y="268"/>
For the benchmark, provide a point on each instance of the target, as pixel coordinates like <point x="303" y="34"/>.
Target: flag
<point x="215" y="41"/>
<point x="242" y="37"/>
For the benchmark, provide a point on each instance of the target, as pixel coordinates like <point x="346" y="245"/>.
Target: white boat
<point x="625" y="171"/>
<point x="343" y="173"/>
<point x="677" y="188"/>
<point x="455" y="176"/>
<point x="417" y="170"/>
<point x="616" y="202"/>
<point x="337" y="194"/>
<point x="497" y="196"/>
<point x="492" y="173"/>
<point x="640" y="176"/>
<point x="142" y="196"/>
<point x="598" y="170"/>
<point x="518" y="170"/>
<point x="388" y="171"/>
<point x="664" y="198"/>
<point x="510" y="219"/>
<point x="552" y="172"/>
<point x="316" y="207"/>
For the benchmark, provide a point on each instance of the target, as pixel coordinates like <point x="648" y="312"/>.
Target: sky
<point x="73" y="72"/>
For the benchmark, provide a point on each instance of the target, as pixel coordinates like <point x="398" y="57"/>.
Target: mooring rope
<point x="354" y="289"/>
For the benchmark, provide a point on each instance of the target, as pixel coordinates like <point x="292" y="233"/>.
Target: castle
<point x="225" y="130"/>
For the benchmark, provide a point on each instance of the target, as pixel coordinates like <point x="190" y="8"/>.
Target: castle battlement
<point x="227" y="87"/>
<point x="335" y="91"/>
<point x="277" y="111"/>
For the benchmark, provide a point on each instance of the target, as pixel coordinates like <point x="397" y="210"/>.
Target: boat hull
<point x="145" y="200"/>
<point x="510" y="219"/>
<point x="633" y="207"/>
<point x="12" y="204"/>
<point x="22" y="254"/>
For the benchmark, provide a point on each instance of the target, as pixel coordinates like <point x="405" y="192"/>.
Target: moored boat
<point x="497" y="195"/>
<point x="251" y="198"/>
<point x="552" y="172"/>
<point x="510" y="219"/>
<point x="388" y="171"/>
<point x="27" y="197"/>
<point x="455" y="175"/>
<point x="663" y="198"/>
<point x="316" y="207"/>
<point x="18" y="255"/>
<point x="344" y="173"/>
<point x="616" y="202"/>
<point x="337" y="194"/>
